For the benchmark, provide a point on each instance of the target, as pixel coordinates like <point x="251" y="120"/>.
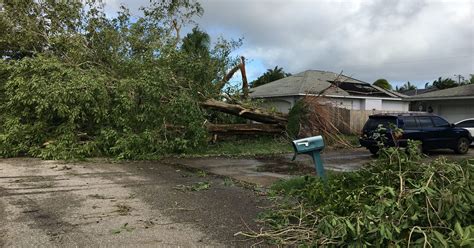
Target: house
<point x="454" y="104"/>
<point x="418" y="91"/>
<point x="347" y="92"/>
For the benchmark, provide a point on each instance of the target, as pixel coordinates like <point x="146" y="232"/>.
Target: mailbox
<point x="311" y="146"/>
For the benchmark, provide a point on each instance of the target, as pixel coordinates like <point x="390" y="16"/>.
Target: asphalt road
<point x="147" y="204"/>
<point x="102" y="204"/>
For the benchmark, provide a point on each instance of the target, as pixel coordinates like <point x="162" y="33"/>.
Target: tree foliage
<point x="444" y="83"/>
<point x="269" y="76"/>
<point x="405" y="87"/>
<point x="75" y="83"/>
<point x="383" y="83"/>
<point x="396" y="201"/>
<point x="197" y="43"/>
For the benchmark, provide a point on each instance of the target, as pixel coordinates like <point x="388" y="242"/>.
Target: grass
<point x="246" y="147"/>
<point x="255" y="146"/>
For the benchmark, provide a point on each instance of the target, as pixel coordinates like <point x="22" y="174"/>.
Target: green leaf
<point x="440" y="237"/>
<point x="459" y="229"/>
<point x="349" y="224"/>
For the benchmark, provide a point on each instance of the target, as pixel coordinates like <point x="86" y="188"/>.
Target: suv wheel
<point x="374" y="150"/>
<point x="462" y="146"/>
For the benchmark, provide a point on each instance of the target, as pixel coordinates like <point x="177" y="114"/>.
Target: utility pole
<point x="459" y="78"/>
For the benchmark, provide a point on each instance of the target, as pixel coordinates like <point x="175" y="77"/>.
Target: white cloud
<point x="400" y="40"/>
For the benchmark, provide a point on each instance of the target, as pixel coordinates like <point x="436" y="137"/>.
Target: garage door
<point x="457" y="112"/>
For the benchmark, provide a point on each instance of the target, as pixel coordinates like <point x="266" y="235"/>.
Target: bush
<point x="396" y="201"/>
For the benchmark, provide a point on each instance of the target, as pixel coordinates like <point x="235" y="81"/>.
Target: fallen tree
<point x="253" y="114"/>
<point x="245" y="129"/>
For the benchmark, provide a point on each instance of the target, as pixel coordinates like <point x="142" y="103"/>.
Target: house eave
<point x="333" y="96"/>
<point x="412" y="99"/>
<point x="368" y="97"/>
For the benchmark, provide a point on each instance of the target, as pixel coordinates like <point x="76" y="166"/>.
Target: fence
<point x="352" y="121"/>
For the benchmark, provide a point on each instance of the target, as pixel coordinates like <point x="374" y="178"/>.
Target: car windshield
<point x="373" y="123"/>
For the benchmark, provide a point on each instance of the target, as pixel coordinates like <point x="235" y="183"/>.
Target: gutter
<point x="333" y="96"/>
<point x="372" y="98"/>
<point x="440" y="98"/>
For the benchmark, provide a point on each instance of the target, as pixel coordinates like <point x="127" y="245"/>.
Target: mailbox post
<point x="311" y="146"/>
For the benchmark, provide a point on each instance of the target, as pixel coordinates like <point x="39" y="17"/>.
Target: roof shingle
<point x="315" y="82"/>
<point x="460" y="91"/>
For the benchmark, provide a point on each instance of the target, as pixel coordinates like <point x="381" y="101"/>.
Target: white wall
<point x="284" y="104"/>
<point x="280" y="104"/>
<point x="371" y="104"/>
<point x="395" y="105"/>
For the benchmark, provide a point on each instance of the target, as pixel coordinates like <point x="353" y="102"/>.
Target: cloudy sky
<point x="400" y="40"/>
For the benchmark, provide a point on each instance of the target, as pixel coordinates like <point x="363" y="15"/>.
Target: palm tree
<point x="405" y="87"/>
<point x="269" y="76"/>
<point x="197" y="43"/>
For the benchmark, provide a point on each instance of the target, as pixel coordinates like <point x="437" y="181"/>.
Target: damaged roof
<point x="320" y="82"/>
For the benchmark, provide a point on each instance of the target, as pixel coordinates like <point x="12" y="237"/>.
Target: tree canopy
<point x="383" y="83"/>
<point x="444" y="83"/>
<point x="269" y="76"/>
<point x="197" y="43"/>
<point x="405" y="87"/>
<point x="74" y="82"/>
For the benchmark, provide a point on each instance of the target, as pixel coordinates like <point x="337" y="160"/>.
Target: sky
<point x="399" y="40"/>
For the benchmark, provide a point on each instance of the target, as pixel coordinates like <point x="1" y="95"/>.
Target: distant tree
<point x="470" y="80"/>
<point x="445" y="83"/>
<point x="197" y="43"/>
<point x="269" y="76"/>
<point x="383" y="83"/>
<point x="405" y="87"/>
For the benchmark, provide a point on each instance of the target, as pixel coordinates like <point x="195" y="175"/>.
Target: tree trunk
<point x="220" y="85"/>
<point x="251" y="114"/>
<point x="245" y="129"/>
<point x="245" y="84"/>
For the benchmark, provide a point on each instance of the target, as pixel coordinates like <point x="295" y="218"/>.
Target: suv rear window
<point x="373" y="123"/>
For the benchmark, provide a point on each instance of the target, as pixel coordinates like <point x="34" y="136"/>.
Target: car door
<point x="426" y="131"/>
<point x="411" y="130"/>
<point x="468" y="125"/>
<point x="443" y="133"/>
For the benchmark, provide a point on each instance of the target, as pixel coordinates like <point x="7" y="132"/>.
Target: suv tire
<point x="374" y="150"/>
<point x="462" y="146"/>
